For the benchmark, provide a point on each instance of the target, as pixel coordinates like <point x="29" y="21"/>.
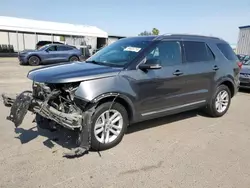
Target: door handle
<point x="215" y="68"/>
<point x="177" y="73"/>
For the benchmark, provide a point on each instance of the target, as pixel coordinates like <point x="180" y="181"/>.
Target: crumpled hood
<point x="245" y="69"/>
<point x="71" y="72"/>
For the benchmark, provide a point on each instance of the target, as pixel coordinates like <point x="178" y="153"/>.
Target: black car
<point x="44" y="42"/>
<point x="131" y="80"/>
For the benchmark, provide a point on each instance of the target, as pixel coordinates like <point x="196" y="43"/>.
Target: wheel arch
<point x="117" y="97"/>
<point x="229" y="83"/>
<point x="34" y="55"/>
<point x="74" y="55"/>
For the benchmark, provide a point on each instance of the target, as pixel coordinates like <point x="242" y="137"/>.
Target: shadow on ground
<point x="68" y="139"/>
<point x="247" y="91"/>
<point x="62" y="137"/>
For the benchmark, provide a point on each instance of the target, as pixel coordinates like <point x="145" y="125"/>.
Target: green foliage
<point x="62" y="38"/>
<point x="154" y="31"/>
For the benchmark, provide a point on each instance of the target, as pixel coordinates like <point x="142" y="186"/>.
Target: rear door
<point x="64" y="52"/>
<point x="200" y="70"/>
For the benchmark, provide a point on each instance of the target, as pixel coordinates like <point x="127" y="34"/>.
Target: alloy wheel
<point x="108" y="126"/>
<point x="222" y="101"/>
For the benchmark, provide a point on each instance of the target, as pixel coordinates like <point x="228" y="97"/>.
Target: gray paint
<point x="152" y="90"/>
<point x="243" y="45"/>
<point x="71" y="72"/>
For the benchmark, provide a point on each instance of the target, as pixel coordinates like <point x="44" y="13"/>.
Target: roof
<point x="244" y="27"/>
<point x="175" y="36"/>
<point x="46" y="27"/>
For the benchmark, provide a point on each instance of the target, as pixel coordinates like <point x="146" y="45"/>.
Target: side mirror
<point x="150" y="64"/>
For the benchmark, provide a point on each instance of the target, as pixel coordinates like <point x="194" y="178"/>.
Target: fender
<point x="33" y="55"/>
<point x="98" y="89"/>
<point x="223" y="79"/>
<point x="227" y="78"/>
<point x="117" y="96"/>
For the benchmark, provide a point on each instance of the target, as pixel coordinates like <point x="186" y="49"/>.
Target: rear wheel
<point x="109" y="124"/>
<point x="34" y="61"/>
<point x="73" y="58"/>
<point x="220" y="102"/>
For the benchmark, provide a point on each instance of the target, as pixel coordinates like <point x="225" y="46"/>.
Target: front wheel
<point x="109" y="124"/>
<point x="220" y="102"/>
<point x="34" y="61"/>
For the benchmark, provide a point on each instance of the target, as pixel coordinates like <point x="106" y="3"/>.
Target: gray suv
<point x="131" y="80"/>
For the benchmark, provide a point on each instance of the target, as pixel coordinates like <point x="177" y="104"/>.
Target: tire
<point x="73" y="58"/>
<point x="213" y="109"/>
<point x="34" y="60"/>
<point x="96" y="143"/>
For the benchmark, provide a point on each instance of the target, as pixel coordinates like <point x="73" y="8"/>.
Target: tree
<point x="155" y="31"/>
<point x="145" y="33"/>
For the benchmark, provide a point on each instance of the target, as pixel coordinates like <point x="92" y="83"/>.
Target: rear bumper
<point x="245" y="86"/>
<point x="245" y="83"/>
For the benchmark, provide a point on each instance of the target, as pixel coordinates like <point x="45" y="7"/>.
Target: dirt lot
<point x="185" y="150"/>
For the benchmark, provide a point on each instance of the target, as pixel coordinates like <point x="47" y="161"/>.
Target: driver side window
<point x="167" y="52"/>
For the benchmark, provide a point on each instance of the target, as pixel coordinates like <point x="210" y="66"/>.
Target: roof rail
<point x="186" y="34"/>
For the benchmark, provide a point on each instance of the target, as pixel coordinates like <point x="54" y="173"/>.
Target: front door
<point x="164" y="88"/>
<point x="50" y="54"/>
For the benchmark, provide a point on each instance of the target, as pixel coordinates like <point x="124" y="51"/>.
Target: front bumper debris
<point x="19" y="106"/>
<point x="25" y="102"/>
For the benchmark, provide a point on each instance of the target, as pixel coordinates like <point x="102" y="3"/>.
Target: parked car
<point x="243" y="58"/>
<point x="132" y="80"/>
<point x="51" y="53"/>
<point x="245" y="75"/>
<point x="43" y="43"/>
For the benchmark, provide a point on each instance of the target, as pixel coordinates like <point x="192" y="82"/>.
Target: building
<point x="114" y="38"/>
<point x="243" y="45"/>
<point x="23" y="34"/>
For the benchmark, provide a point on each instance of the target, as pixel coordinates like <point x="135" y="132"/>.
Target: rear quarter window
<point x="227" y="51"/>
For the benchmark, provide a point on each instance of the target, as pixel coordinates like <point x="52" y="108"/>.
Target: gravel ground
<point x="184" y="150"/>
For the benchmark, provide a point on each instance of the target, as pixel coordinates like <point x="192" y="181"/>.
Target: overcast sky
<point x="129" y="17"/>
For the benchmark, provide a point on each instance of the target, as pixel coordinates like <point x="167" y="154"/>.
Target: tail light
<point x="239" y="64"/>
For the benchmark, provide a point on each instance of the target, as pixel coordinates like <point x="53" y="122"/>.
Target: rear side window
<point x="64" y="48"/>
<point x="227" y="51"/>
<point x="197" y="51"/>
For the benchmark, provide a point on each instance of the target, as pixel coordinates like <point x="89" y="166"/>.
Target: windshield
<point x="119" y="53"/>
<point x="43" y="48"/>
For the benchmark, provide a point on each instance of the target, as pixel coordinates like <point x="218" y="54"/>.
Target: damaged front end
<point x="52" y="101"/>
<point x="56" y="104"/>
